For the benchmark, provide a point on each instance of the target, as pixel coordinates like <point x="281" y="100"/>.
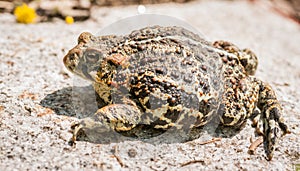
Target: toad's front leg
<point x="118" y="117"/>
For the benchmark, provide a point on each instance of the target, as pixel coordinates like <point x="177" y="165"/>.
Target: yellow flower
<point x="69" y="20"/>
<point x="25" y="14"/>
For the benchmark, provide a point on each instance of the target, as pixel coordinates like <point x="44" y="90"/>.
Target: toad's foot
<point x="272" y="118"/>
<point x="118" y="117"/>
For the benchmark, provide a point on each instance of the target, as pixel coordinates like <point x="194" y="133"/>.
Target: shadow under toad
<point x="72" y="101"/>
<point x="82" y="102"/>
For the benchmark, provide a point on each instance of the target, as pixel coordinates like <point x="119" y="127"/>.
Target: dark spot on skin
<point x="284" y="127"/>
<point x="114" y="50"/>
<point x="227" y="120"/>
<point x="141" y="72"/>
<point x="178" y="50"/>
<point x="203" y="67"/>
<point x="134" y="91"/>
<point x="201" y="83"/>
<point x="205" y="106"/>
<point x="229" y="71"/>
<point x="141" y="47"/>
<point x="174" y="41"/>
<point x="244" y="62"/>
<point x="159" y="122"/>
<point x="71" y="67"/>
<point x="274" y="114"/>
<point x="159" y="70"/>
<point x="143" y="80"/>
<point x="106" y="75"/>
<point x="242" y="120"/>
<point x="134" y="80"/>
<point x="148" y="106"/>
<point x="173" y="115"/>
<point x="163" y="41"/>
<point x="201" y="120"/>
<point x="143" y="93"/>
<point x="224" y="59"/>
<point x="186" y="62"/>
<point x="167" y="86"/>
<point x="233" y="80"/>
<point x="133" y="45"/>
<point x="72" y="56"/>
<point x="173" y="101"/>
<point x="205" y="88"/>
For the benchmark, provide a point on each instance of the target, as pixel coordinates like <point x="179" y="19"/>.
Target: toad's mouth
<point x="86" y="74"/>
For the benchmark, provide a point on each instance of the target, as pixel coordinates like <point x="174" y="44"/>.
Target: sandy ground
<point x="36" y="108"/>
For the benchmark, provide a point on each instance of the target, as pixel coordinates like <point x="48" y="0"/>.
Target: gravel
<point x="36" y="101"/>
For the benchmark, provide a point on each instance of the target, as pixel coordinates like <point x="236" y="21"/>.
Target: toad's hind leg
<point x="118" y="117"/>
<point x="259" y="103"/>
<point x="272" y="118"/>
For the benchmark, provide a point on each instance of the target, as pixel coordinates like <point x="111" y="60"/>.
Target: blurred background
<point x="80" y="10"/>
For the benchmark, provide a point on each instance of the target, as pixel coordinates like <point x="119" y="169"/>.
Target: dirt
<point x="37" y="103"/>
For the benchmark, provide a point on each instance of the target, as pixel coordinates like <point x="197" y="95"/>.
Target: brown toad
<point x="170" y="77"/>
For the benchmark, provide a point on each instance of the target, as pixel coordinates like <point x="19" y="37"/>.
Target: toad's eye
<point x="92" y="56"/>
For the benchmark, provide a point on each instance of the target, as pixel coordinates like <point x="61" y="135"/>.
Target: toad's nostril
<point x="72" y="57"/>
